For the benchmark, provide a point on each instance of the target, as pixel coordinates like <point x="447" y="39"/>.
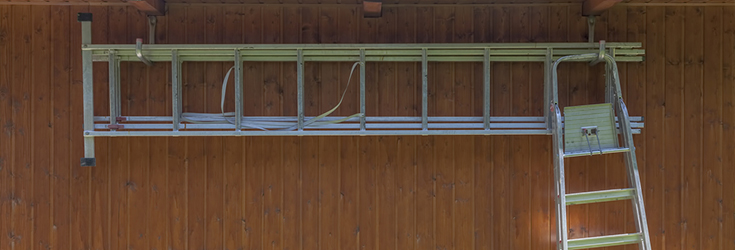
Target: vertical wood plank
<point x="328" y="169"/>
<point x="728" y="132"/>
<point x="139" y="159"/>
<point x="79" y="192"/>
<point x="691" y="182"/>
<point x="367" y="204"/>
<point x="674" y="24"/>
<point x="21" y="235"/>
<point x="541" y="175"/>
<point x="444" y="102"/>
<point x="119" y="148"/>
<point x="100" y="224"/>
<point x="60" y="104"/>
<point x="728" y="138"/>
<point x="214" y="146"/>
<point x="194" y="92"/>
<point x="253" y="192"/>
<point x="425" y="167"/>
<point x="253" y="211"/>
<point x="159" y="102"/>
<point x="253" y="101"/>
<point x="426" y="194"/>
<point x="519" y="145"/>
<point x="368" y="227"/>
<point x="483" y="178"/>
<point x="6" y="143"/>
<point x="41" y="127"/>
<point x="406" y="72"/>
<point x="464" y="148"/>
<point x="655" y="96"/>
<point x="272" y="97"/>
<point x="349" y="168"/>
<point x="291" y="145"/>
<point x="348" y="221"/>
<point x="712" y="130"/>
<point x="177" y="230"/>
<point x="310" y="227"/>
<point x="233" y="150"/>
<point x="387" y="105"/>
<point x="501" y="106"/>
<point x="349" y="226"/>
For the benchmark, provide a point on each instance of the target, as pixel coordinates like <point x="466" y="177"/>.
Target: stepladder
<point x="588" y="131"/>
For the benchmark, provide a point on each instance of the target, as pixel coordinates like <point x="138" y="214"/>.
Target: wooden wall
<point x="433" y="192"/>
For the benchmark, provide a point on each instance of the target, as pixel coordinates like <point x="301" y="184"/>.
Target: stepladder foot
<point x="88" y="162"/>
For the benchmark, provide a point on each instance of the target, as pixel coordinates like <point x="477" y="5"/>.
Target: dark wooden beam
<point x="372" y="8"/>
<point x="150" y="7"/>
<point x="596" y="7"/>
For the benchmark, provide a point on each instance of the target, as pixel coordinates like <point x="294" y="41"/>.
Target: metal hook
<point x="139" y="51"/>
<point x="601" y="55"/>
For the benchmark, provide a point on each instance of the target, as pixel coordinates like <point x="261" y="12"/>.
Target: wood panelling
<point x="424" y="192"/>
<point x="358" y="3"/>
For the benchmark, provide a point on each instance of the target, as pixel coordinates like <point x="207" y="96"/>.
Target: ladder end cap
<point x="84" y="17"/>
<point x="88" y="162"/>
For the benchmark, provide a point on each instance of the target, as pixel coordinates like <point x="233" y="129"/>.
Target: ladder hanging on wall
<point x="590" y="130"/>
<point x="236" y="123"/>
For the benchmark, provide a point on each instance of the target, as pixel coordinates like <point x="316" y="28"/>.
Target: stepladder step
<point x="605" y="241"/>
<point x="600" y="196"/>
<point x="596" y="152"/>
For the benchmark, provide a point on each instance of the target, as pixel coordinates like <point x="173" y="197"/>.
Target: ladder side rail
<point x="547" y="87"/>
<point x="88" y="90"/>
<point x="630" y="156"/>
<point x="363" y="118"/>
<point x="238" y="90"/>
<point x="300" y="89"/>
<point x="486" y="89"/>
<point x="114" y="87"/>
<point x="610" y="89"/>
<point x="424" y="90"/>
<point x="559" y="183"/>
<point x="176" y="95"/>
<point x="634" y="177"/>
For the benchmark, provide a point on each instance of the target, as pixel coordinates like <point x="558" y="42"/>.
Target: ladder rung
<point x="604" y="241"/>
<point x="596" y="152"/>
<point x="600" y="196"/>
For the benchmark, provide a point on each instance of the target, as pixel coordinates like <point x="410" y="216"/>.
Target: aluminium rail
<point x="117" y="124"/>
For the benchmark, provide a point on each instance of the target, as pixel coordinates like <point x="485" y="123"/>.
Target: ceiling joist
<point x="150" y="7"/>
<point x="596" y="7"/>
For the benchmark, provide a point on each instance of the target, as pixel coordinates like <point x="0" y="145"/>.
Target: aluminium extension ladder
<point x="591" y="130"/>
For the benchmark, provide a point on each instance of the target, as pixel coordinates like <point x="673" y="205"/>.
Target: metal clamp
<point x="592" y="130"/>
<point x="139" y="52"/>
<point x="600" y="55"/>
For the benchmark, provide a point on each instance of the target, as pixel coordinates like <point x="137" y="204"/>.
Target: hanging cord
<point x="208" y="118"/>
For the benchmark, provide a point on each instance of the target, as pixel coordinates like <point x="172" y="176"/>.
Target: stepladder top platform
<point x="589" y="128"/>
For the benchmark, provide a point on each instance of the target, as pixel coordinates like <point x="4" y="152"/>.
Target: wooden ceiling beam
<point x="372" y="8"/>
<point x="596" y="7"/>
<point x="150" y="7"/>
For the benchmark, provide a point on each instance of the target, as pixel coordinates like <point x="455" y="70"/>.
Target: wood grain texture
<point x="422" y="192"/>
<point x="673" y="186"/>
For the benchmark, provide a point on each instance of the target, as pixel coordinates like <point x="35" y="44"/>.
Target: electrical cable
<point x="210" y="118"/>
